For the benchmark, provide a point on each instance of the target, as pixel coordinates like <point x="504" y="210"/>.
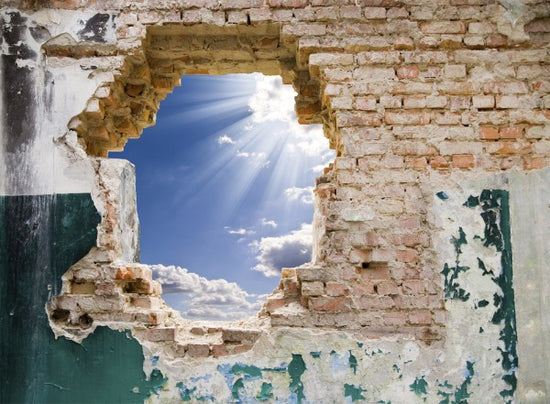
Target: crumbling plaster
<point x="426" y="104"/>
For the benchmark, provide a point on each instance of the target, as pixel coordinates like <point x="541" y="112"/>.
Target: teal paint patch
<point x="354" y="392"/>
<point x="460" y="394"/>
<point x="188" y="394"/>
<point x="451" y="273"/>
<point x="278" y="369"/>
<point x="247" y="370"/>
<point x="316" y="354"/>
<point x="266" y="392"/>
<point x="484" y="271"/>
<point x="442" y="195"/>
<point x="41" y="236"/>
<point x="496" y="216"/>
<point x="352" y="362"/>
<point x="156" y="381"/>
<point x="472" y="202"/>
<point x="419" y="386"/>
<point x="296" y="369"/>
<point x="236" y="388"/>
<point x="482" y="303"/>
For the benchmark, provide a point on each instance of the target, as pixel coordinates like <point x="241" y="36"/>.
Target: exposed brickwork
<point x="403" y="90"/>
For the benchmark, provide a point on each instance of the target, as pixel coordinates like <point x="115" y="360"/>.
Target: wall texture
<point x="428" y="276"/>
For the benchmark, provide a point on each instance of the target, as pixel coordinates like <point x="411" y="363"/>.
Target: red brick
<point x="413" y="287"/>
<point x="420" y="317"/>
<point x="411" y="301"/>
<point x="535" y="163"/>
<point x="395" y="318"/>
<point x="519" y="147"/>
<point x="375" y="302"/>
<point x="408" y="255"/>
<point x="332" y="304"/>
<point x="387" y="288"/>
<point x="511" y="132"/>
<point x="376" y="273"/>
<point x="420" y="163"/>
<point x="439" y="162"/>
<point x="463" y="161"/>
<point x="198" y="350"/>
<point x="219" y="350"/>
<point x="488" y="133"/>
<point x="408" y="72"/>
<point x="273" y="304"/>
<point x="336" y="289"/>
<point x="412" y="222"/>
<point x="363" y="288"/>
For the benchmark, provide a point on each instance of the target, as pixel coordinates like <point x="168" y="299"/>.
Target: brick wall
<point x="405" y="90"/>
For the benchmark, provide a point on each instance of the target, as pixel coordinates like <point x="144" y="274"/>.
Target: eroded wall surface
<point x="428" y="281"/>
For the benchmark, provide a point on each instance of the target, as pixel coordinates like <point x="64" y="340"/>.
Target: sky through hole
<point x="224" y="183"/>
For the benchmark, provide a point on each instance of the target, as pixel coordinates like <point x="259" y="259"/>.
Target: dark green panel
<point x="41" y="236"/>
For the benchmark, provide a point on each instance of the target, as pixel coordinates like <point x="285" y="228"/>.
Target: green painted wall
<point x="41" y="236"/>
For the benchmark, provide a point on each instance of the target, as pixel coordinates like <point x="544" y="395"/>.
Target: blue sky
<point x="224" y="182"/>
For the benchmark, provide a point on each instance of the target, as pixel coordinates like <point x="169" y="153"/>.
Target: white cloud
<point x="239" y="231"/>
<point x="286" y="251"/>
<point x="208" y="299"/>
<point x="270" y="223"/>
<point x="224" y="139"/>
<point x="305" y="195"/>
<point x="274" y="102"/>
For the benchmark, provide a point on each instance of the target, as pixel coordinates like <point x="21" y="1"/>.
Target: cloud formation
<point x="224" y="139"/>
<point x="239" y="231"/>
<point x="286" y="251"/>
<point x="270" y="223"/>
<point x="274" y="102"/>
<point x="304" y="195"/>
<point x="208" y="299"/>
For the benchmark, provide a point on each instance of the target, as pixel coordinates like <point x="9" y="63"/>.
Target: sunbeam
<point x="225" y="184"/>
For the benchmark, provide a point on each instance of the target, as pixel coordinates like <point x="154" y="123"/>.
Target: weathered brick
<point x="439" y="162"/>
<point x="397" y="13"/>
<point x="374" y="73"/>
<point x="463" y="161"/>
<point x="538" y="132"/>
<point x="481" y="28"/>
<point x="336" y="289"/>
<point x="436" y="101"/>
<point x="455" y="71"/>
<point x="389" y="101"/>
<point x="420" y="317"/>
<point x="375" y="13"/>
<point x="511" y="132"/>
<point x="443" y="27"/>
<point x="330" y="304"/>
<point x="408" y="72"/>
<point x="518" y="147"/>
<point x="488" y="133"/>
<point x="387" y="288"/>
<point x="483" y="101"/>
<point x="414" y="102"/>
<point x="374" y="302"/>
<point x="406" y="118"/>
<point x="374" y="57"/>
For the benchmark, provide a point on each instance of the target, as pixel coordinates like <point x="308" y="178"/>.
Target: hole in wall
<point x="224" y="183"/>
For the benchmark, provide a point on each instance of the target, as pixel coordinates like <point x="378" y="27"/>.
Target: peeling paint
<point x="353" y="392"/>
